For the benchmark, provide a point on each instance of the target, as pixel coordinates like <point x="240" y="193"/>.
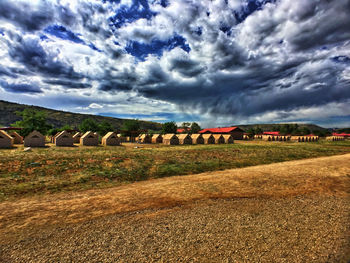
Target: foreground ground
<point x="53" y="169"/>
<point x="296" y="211"/>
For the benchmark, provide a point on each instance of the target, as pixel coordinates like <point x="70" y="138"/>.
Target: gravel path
<point x="290" y="226"/>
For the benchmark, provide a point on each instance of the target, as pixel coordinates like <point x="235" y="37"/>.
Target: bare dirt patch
<point x="295" y="211"/>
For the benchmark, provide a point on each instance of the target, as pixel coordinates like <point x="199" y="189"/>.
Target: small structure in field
<point x="64" y="138"/>
<point x="334" y="138"/>
<point x="34" y="139"/>
<point x="245" y="137"/>
<point x="157" y="138"/>
<point x="228" y="138"/>
<point x="185" y="138"/>
<point x="219" y="139"/>
<point x="258" y="136"/>
<point x="52" y="139"/>
<point x="89" y="139"/>
<point x="170" y="139"/>
<point x="197" y="138"/>
<point x="145" y="138"/>
<point x="208" y="138"/>
<point x="122" y="138"/>
<point x="76" y="137"/>
<point x="110" y="139"/>
<point x="236" y="132"/>
<point x="6" y="141"/>
<point x="17" y="139"/>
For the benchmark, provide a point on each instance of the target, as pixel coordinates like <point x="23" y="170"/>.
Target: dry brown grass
<point x="324" y="176"/>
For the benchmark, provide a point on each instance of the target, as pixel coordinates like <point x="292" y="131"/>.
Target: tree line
<point x="37" y="120"/>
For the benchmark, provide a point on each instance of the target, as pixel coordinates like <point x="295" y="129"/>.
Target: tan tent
<point x="170" y="139"/>
<point x="157" y="138"/>
<point x="122" y="138"/>
<point x="185" y="138"/>
<point x="64" y="138"/>
<point x="110" y="139"/>
<point x="266" y="138"/>
<point x="34" y="139"/>
<point x="6" y="141"/>
<point x="208" y="138"/>
<point x="197" y="138"/>
<point x="219" y="139"/>
<point x="245" y="137"/>
<point x="258" y="136"/>
<point x="228" y="138"/>
<point x="52" y="139"/>
<point x="17" y="139"/>
<point x="89" y="139"/>
<point x="144" y="138"/>
<point x="76" y="137"/>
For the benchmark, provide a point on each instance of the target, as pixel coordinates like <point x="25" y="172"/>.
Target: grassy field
<point x="53" y="169"/>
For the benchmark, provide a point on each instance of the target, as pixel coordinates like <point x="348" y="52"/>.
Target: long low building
<point x="235" y="132"/>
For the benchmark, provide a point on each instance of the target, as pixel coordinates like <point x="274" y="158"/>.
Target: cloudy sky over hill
<point x="217" y="62"/>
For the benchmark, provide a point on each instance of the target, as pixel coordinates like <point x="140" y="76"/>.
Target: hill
<point x="60" y="118"/>
<point x="271" y="127"/>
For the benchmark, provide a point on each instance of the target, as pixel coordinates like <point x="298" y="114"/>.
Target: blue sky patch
<point x="63" y="33"/>
<point x="249" y="7"/>
<point x="341" y="59"/>
<point x="128" y="14"/>
<point x="156" y="47"/>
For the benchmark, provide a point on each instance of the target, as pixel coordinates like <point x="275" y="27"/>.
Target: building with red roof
<point x="274" y="133"/>
<point x="182" y="130"/>
<point x="236" y="132"/>
<point x="341" y="134"/>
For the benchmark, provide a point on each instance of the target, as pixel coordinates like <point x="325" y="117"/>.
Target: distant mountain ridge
<point x="270" y="127"/>
<point x="60" y="118"/>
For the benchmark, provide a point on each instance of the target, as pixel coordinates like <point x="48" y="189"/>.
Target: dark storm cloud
<point x="217" y="57"/>
<point x="23" y="15"/>
<point x="68" y="84"/>
<point x="19" y="88"/>
<point x="186" y="67"/>
<point x="30" y="53"/>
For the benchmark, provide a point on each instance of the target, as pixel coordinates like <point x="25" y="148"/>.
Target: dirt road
<point x="286" y="212"/>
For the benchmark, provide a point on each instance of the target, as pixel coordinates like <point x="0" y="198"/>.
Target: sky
<point x="216" y="62"/>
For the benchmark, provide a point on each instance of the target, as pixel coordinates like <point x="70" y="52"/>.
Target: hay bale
<point x="219" y="139"/>
<point x="208" y="138"/>
<point x="157" y="138"/>
<point x="17" y="139"/>
<point x="197" y="138"/>
<point x="64" y="138"/>
<point x="6" y="141"/>
<point x="170" y="139"/>
<point x="89" y="139"/>
<point x="185" y="138"/>
<point x="110" y="139"/>
<point x="76" y="137"/>
<point x="34" y="139"/>
<point x="228" y="138"/>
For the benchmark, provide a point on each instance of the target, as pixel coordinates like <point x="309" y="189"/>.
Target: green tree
<point x="88" y="125"/>
<point x="130" y="128"/>
<point x="251" y="132"/>
<point x="32" y="120"/>
<point x="53" y="131"/>
<point x="104" y="127"/>
<point x="195" y="128"/>
<point x="66" y="127"/>
<point x="304" y="131"/>
<point x="169" y="127"/>
<point x="258" y="130"/>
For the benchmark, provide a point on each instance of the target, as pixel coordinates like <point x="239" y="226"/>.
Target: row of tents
<point x="176" y="139"/>
<point x="282" y="138"/>
<point x="64" y="138"/>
